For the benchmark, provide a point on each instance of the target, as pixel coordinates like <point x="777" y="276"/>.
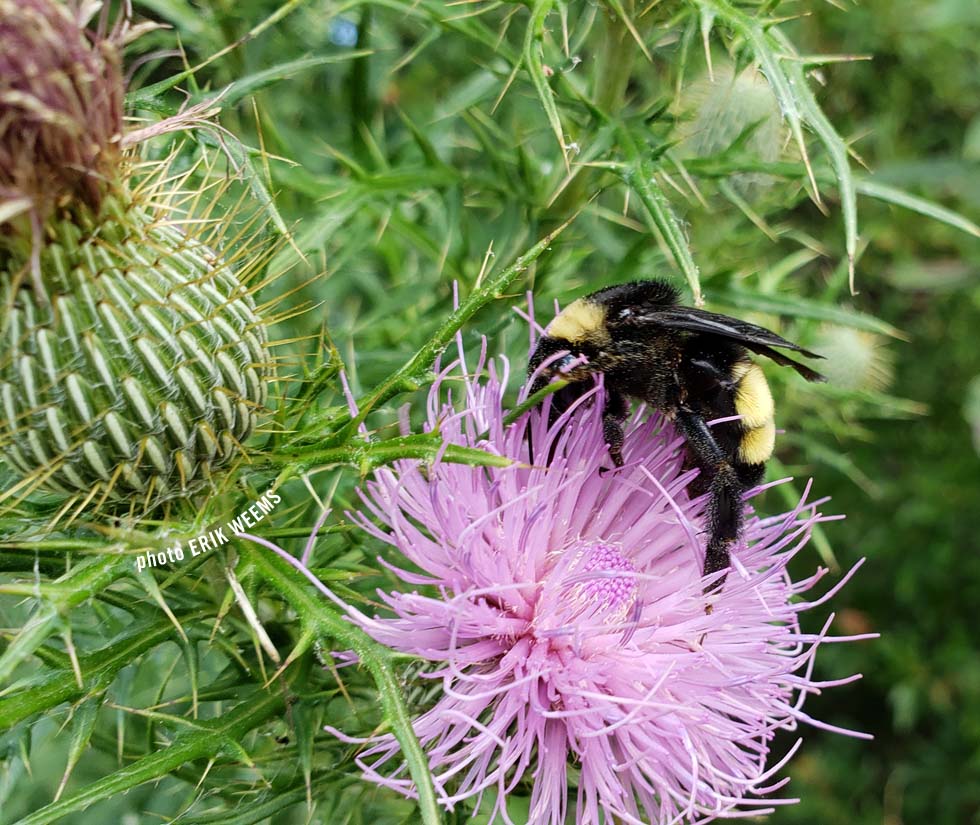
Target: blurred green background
<point x="918" y="104"/>
<point x="401" y="140"/>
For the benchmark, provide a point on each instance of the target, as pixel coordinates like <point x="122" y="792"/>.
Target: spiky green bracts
<point x="133" y="363"/>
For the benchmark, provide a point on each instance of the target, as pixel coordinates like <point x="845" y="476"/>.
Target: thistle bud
<point x="715" y="111"/>
<point x="139" y="373"/>
<point x="856" y="360"/>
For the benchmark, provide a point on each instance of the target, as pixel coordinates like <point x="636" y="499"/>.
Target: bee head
<point x="562" y="357"/>
<point x="579" y="333"/>
<point x="597" y="331"/>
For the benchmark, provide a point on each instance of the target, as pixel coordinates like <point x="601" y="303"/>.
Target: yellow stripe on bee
<point x="753" y="400"/>
<point x="756" y="444"/>
<point x="581" y="319"/>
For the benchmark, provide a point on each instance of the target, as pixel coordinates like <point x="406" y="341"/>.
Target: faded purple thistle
<point x="61" y="105"/>
<point x="563" y="612"/>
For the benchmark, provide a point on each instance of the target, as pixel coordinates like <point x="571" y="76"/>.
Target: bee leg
<point x="725" y="522"/>
<point x="701" y="483"/>
<point x="539" y="384"/>
<point x="615" y="412"/>
<point x="556" y="403"/>
<point x="725" y="506"/>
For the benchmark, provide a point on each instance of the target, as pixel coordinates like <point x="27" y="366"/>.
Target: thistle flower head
<point x="61" y="106"/>
<point x="857" y="360"/>
<point x="562" y="610"/>
<point x="717" y="109"/>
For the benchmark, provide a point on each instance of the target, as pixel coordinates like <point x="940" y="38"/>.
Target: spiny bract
<point x="139" y="372"/>
<point x="132" y="361"/>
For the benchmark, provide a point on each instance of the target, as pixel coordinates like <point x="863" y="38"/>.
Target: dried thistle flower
<point x="61" y="107"/>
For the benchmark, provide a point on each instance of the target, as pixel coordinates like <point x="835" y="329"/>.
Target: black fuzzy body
<point x="688" y="364"/>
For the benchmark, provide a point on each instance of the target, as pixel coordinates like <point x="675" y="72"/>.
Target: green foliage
<point x="407" y="146"/>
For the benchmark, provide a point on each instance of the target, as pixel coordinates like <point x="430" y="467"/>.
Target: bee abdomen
<point x="753" y="401"/>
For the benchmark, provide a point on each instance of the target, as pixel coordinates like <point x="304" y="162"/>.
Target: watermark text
<point x="213" y="538"/>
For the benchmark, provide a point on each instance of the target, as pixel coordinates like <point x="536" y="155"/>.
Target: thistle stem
<point x="614" y="67"/>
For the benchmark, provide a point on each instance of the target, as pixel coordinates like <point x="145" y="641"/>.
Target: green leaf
<point x="898" y="197"/>
<point x="836" y="149"/>
<point x="241" y="157"/>
<point x="971" y="410"/>
<point x="82" y="725"/>
<point x="790" y="493"/>
<point x="148" y="96"/>
<point x="640" y="177"/>
<point x="534" y="60"/>
<point x="878" y="404"/>
<point x="70" y="590"/>
<point x="50" y="688"/>
<point x="369" y="455"/>
<point x="270" y="803"/>
<point x="210" y="739"/>
<point x="322" y="617"/>
<point x="411" y="375"/>
<point x="306" y="722"/>
<point x="841" y="462"/>
<point x="761" y="46"/>
<point x="252" y="83"/>
<point x="435" y="11"/>
<point x="790" y="86"/>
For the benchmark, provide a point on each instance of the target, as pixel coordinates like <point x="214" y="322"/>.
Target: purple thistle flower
<point x="563" y="611"/>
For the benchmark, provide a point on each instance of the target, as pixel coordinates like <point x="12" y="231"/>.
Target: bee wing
<point x="783" y="361"/>
<point x="757" y="339"/>
<point x="697" y="320"/>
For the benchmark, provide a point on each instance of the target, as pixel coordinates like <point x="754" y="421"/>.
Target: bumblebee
<point x="691" y="365"/>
